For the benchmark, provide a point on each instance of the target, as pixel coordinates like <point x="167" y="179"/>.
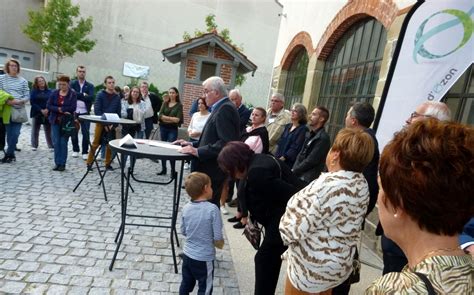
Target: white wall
<point x="148" y="26"/>
<point x="312" y="16"/>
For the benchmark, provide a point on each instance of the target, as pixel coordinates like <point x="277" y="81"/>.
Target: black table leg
<point x="124" y="200"/>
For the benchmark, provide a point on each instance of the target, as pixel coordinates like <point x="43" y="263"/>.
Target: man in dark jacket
<point x="244" y="112"/>
<point x="85" y="98"/>
<point x="311" y="160"/>
<point x="221" y="127"/>
<point x="108" y="101"/>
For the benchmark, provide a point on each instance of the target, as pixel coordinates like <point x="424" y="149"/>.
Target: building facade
<point x="332" y="53"/>
<point x="136" y="32"/>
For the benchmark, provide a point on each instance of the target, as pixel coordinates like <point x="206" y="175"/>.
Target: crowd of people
<point x="310" y="196"/>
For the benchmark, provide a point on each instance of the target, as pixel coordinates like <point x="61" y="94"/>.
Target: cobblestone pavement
<point x="54" y="241"/>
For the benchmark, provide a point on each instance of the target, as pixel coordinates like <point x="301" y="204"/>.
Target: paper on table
<point x="164" y="145"/>
<point x="110" y="117"/>
<point x="127" y="142"/>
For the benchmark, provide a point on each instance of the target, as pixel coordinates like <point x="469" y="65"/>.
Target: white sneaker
<point x="99" y="158"/>
<point x="224" y="211"/>
<point x="187" y="166"/>
<point x="84" y="156"/>
<point x="34" y="149"/>
<point x="75" y="154"/>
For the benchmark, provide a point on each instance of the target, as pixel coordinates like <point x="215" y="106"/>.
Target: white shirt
<point x="197" y="123"/>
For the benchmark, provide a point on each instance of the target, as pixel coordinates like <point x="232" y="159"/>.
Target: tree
<point x="59" y="30"/>
<point x="211" y="27"/>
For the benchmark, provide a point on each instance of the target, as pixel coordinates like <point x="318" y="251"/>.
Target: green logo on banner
<point x="462" y="18"/>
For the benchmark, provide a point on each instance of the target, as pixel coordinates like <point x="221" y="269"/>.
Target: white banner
<point x="435" y="51"/>
<point x="135" y="71"/>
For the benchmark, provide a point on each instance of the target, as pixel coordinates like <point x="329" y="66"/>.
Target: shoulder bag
<point x="18" y="114"/>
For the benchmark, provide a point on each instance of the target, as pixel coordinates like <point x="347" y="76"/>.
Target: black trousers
<point x="268" y="258"/>
<point x="2" y="134"/>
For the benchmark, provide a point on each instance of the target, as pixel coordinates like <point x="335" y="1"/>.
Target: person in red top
<point x="61" y="103"/>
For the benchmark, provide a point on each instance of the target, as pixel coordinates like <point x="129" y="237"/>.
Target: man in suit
<point x="85" y="97"/>
<point x="221" y="127"/>
<point x="244" y="112"/>
<point x="277" y="118"/>
<point x="311" y="160"/>
<point x="154" y="103"/>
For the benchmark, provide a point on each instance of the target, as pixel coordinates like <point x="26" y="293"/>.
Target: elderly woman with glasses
<point x="292" y="139"/>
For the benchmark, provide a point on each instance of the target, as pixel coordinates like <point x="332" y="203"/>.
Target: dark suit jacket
<point x="267" y="188"/>
<point x="156" y="103"/>
<point x="311" y="160"/>
<point x="468" y="233"/>
<point x="221" y="127"/>
<point x="371" y="171"/>
<point x="87" y="88"/>
<point x="244" y="116"/>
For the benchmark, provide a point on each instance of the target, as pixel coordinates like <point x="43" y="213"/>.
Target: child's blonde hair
<point x="195" y="183"/>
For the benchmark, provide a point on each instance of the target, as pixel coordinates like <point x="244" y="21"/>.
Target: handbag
<point x="355" y="274"/>
<point x="68" y="127"/>
<point x="253" y="232"/>
<point x="18" y="114"/>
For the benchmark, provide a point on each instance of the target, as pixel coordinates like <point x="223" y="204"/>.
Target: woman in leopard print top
<point x="322" y="222"/>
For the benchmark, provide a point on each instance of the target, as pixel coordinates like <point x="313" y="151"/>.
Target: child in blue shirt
<point x="201" y="224"/>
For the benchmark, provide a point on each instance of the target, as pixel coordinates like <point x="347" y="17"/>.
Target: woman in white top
<point x="322" y="222"/>
<point x="134" y="109"/>
<point x="198" y="120"/>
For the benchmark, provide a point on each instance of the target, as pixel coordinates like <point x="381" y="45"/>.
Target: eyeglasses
<point x="275" y="100"/>
<point x="206" y="91"/>
<point x="294" y="110"/>
<point x="415" y="115"/>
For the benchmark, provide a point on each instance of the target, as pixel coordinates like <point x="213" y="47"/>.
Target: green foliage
<point x="59" y="30"/>
<point x="211" y="26"/>
<point x="239" y="79"/>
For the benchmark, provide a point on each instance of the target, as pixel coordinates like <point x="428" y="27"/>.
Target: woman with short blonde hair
<point x="322" y="222"/>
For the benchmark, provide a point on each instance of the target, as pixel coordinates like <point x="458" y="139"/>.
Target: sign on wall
<point x="135" y="71"/>
<point x="435" y="47"/>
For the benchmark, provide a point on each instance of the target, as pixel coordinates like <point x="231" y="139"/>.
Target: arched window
<point x="352" y="70"/>
<point x="460" y="98"/>
<point x="296" y="78"/>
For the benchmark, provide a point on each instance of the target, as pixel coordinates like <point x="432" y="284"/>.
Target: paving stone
<point x="29" y="266"/>
<point x="60" y="279"/>
<point x="37" y="277"/>
<point x="57" y="290"/>
<point x="54" y="241"/>
<point x="10" y="287"/>
<point x="35" y="288"/>
<point x="50" y="268"/>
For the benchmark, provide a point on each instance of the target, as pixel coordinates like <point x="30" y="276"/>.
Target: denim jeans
<point x="85" y="128"/>
<point x="60" y="145"/>
<point x="169" y="134"/>
<point x="194" y="270"/>
<point x="13" y="132"/>
<point x="35" y="129"/>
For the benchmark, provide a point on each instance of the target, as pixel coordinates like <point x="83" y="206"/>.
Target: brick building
<point x="203" y="57"/>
